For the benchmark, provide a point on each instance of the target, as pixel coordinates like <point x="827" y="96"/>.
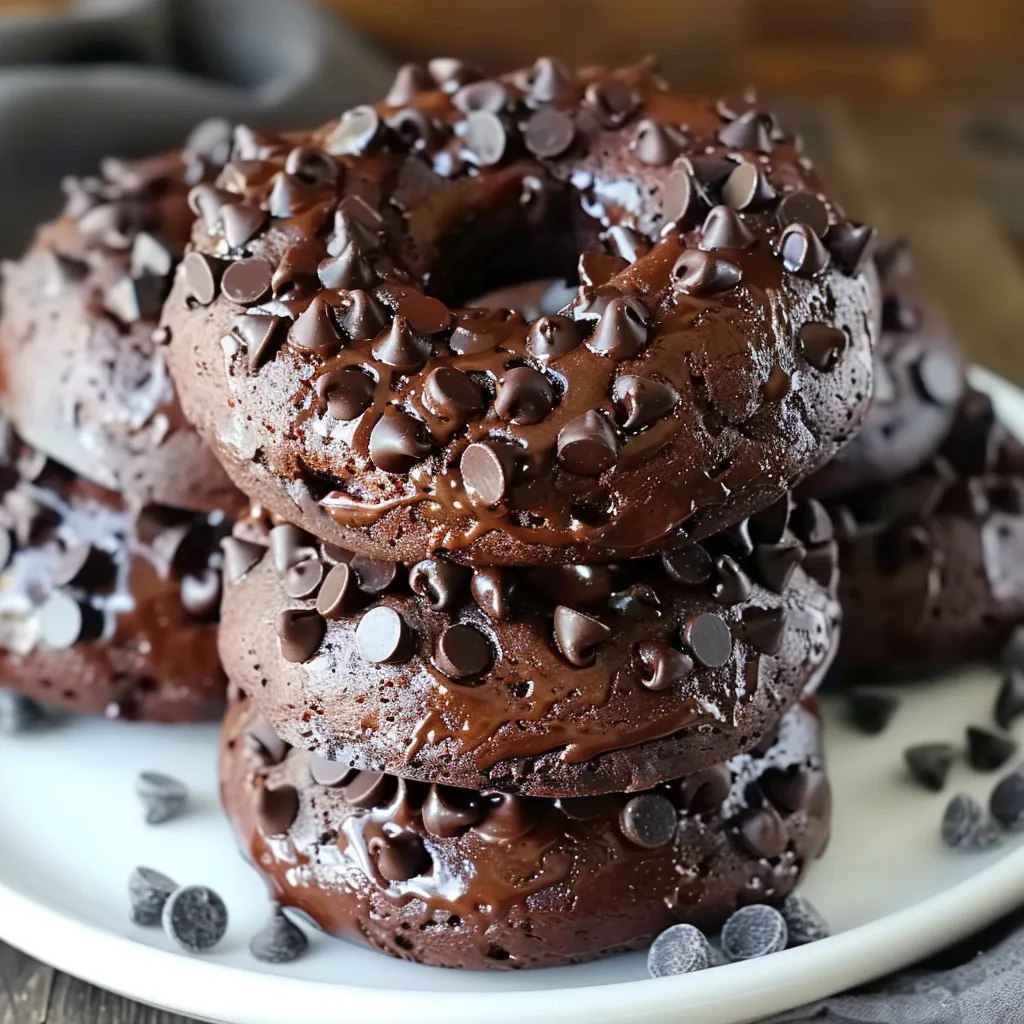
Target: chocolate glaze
<point x="375" y="283"/>
<point x="104" y="610"/>
<point x="456" y="878"/>
<point x="554" y="680"/>
<point x="929" y="574"/>
<point x="84" y="379"/>
<point x="919" y="380"/>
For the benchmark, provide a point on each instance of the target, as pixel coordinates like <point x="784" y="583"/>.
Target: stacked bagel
<point x="523" y="624"/>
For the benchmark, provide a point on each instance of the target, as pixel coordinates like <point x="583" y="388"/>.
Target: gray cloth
<point x="132" y="77"/>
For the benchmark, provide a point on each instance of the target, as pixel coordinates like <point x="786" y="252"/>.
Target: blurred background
<point x="914" y="109"/>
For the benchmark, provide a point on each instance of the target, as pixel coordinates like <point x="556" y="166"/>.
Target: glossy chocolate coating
<point x="754" y="412"/>
<point x="84" y="379"/>
<point x="546" y="681"/>
<point x="105" y="611"/>
<point x="930" y="564"/>
<point x="505" y="883"/>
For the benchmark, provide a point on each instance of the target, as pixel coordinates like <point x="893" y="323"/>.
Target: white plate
<point x="70" y="833"/>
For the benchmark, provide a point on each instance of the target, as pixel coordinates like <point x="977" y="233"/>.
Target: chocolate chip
<point x="374" y="575"/>
<point x="288" y="546"/>
<point x="940" y="378"/>
<point x="621" y="331"/>
<point x="369" y="789"/>
<point x="399" y="856"/>
<point x="710" y="170"/>
<point x="627" y="243"/>
<point x="196" y="918"/>
<point x="150" y="257"/>
<point x="410" y="79"/>
<point x="811" y="523"/>
<point x="1010" y="699"/>
<point x="356" y="132"/>
<point x="398" y="442"/>
<point x="613" y="102"/>
<point x="822" y="345"/>
<point x="383" y="637"/>
<point x="312" y="166"/>
<point x="690" y="565"/>
<point x="269" y="746"/>
<point x="492" y="590"/>
<point x="239" y="222"/>
<point x="929" y="764"/>
<point x="524" y="396"/>
<point x="733" y="105"/>
<point x="709" y="638"/>
<point x="640" y="401"/>
<point x="649" y="821"/>
<point x="299" y="633"/>
<point x="764" y="833"/>
<point x="315" y="329"/>
<point x="201" y="274"/>
<point x="148" y="891"/>
<point x="748" y="131"/>
<point x="697" y="273"/>
<point x="964" y="826"/>
<point x="488" y="469"/>
<point x="681" y="949"/>
<point x="580" y="586"/>
<point x="549" y="133"/>
<point x="288" y="195"/>
<point x="163" y="797"/>
<point x="345" y="272"/>
<point x="988" y="751"/>
<point x="769" y="525"/>
<point x="660" y="666"/>
<point x="1006" y="804"/>
<point x="463" y="652"/>
<point x="81" y="564"/>
<point x="870" y="711"/>
<point x="304" y="578"/>
<point x="653" y="144"/>
<point x="486" y="137"/>
<point x="277" y="809"/>
<point x="791" y="788"/>
<point x="279" y="941"/>
<point x="439" y="582"/>
<point x="578" y="635"/>
<point x="359" y="316"/>
<point x="803" y="207"/>
<point x="637" y="602"/>
<point x="330" y="774"/>
<point x="452" y="395"/>
<point x="776" y="563"/>
<point x="61" y="621"/>
<point x="508" y="816"/>
<point x="677" y="198"/>
<point x="549" y="82"/>
<point x="802" y="251"/>
<point x="851" y="246"/>
<point x="587" y="445"/>
<point x="733" y="586"/>
<point x="723" y="229"/>
<point x="763" y="628"/>
<point x="200" y="592"/>
<point x="247" y="281"/>
<point x="348" y="392"/>
<point x="753" y="931"/>
<point x="259" y="332"/>
<point x="486" y="95"/>
<point x="339" y="593"/>
<point x="747" y="188"/>
<point x="703" y="792"/>
<point x="448" y="812"/>
<point x="804" y="923"/>
<point x="400" y="347"/>
<point x="551" y="337"/>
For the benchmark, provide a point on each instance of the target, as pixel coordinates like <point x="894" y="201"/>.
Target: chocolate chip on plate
<point x="279" y="941"/>
<point x="988" y="751"/>
<point x="162" y="796"/>
<point x="680" y="949"/>
<point x="753" y="931"/>
<point x="649" y="820"/>
<point x="869" y="710"/>
<point x="1006" y="804"/>
<point x="148" y="891"/>
<point x="964" y="826"/>
<point x="196" y="918"/>
<point x="929" y="764"/>
<point x="803" y="920"/>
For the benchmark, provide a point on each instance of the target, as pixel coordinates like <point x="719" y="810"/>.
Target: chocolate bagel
<point x="930" y="575"/>
<point x="84" y="377"/>
<point x="457" y="878"/>
<point x="717" y="351"/>
<point x="552" y="680"/>
<point x="104" y="610"/>
<point x="919" y="381"/>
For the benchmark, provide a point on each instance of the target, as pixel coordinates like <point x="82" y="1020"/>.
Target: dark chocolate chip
<point x="733" y="586"/>
<point x="484" y="95"/>
<point x="851" y="246"/>
<point x="399" y="856"/>
<point x="764" y="833"/>
<point x="508" y="816"/>
<point x="288" y="546"/>
<point x="150" y="257"/>
<point x="549" y="82"/>
<point x="763" y="628"/>
<point x="627" y="243"/>
<point x="329" y="774"/>
<point x="653" y="144"/>
<point x="929" y="764"/>
<point x="81" y="564"/>
<point x="1010" y="699"/>
<point x="640" y="401"/>
<point x="747" y="188"/>
<point x="383" y="637"/>
<point x="776" y="563"/>
<point x="374" y="575"/>
<point x="711" y="170"/>
<point x="312" y="166"/>
<point x="613" y="102"/>
<point x="678" y="198"/>
<point x="439" y="582"/>
<point x="811" y="523"/>
<point x="463" y="652"/>
<point x="148" y="891"/>
<point x="753" y="931"/>
<point x="697" y="273"/>
<point x="792" y="788"/>
<point x="822" y="345"/>
<point x="649" y="821"/>
<point x="769" y="525"/>
<point x="163" y="797"/>
<point x="195" y="917"/>
<point x="356" y="132"/>
<point x="551" y="337"/>
<point x="369" y="789"/>
<point x="803" y="921"/>
<point x="247" y="281"/>
<point x="410" y="79"/>
<point x="491" y="590"/>
<point x="339" y="593"/>
<point x="315" y="330"/>
<point x="723" y="229"/>
<point x="964" y="826"/>
<point x="549" y="133"/>
<point x="802" y="251"/>
<point x="288" y="195"/>
<point x="345" y="272"/>
<point x="200" y="592"/>
<point x="940" y="378"/>
<point x="704" y="791"/>
<point x="486" y="137"/>
<point x="277" y="809"/>
<point x="587" y="445"/>
<point x="988" y="751"/>
<point x="201" y="274"/>
<point x="660" y="666"/>
<point x="359" y="315"/>
<point x="270" y="747"/>
<point x="681" y="949"/>
<point x="870" y="711"/>
<point x="260" y="333"/>
<point x="448" y="812"/>
<point x="398" y="442"/>
<point x="710" y="639"/>
<point x="578" y="635"/>
<point x="400" y="347"/>
<point x="690" y="565"/>
<point x="580" y="586"/>
<point x="452" y="395"/>
<point x="136" y="298"/>
<point x="348" y="392"/>
<point x="803" y="207"/>
<point x="598" y="268"/>
<point x="279" y="941"/>
<point x="488" y="469"/>
<point x="1006" y="804"/>
<point x="304" y="578"/>
<point x="821" y="563"/>
<point x="621" y="331"/>
<point x="748" y="131"/>
<point x="239" y="222"/>
<point x="638" y="602"/>
<point x="299" y="633"/>
<point x="524" y="396"/>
